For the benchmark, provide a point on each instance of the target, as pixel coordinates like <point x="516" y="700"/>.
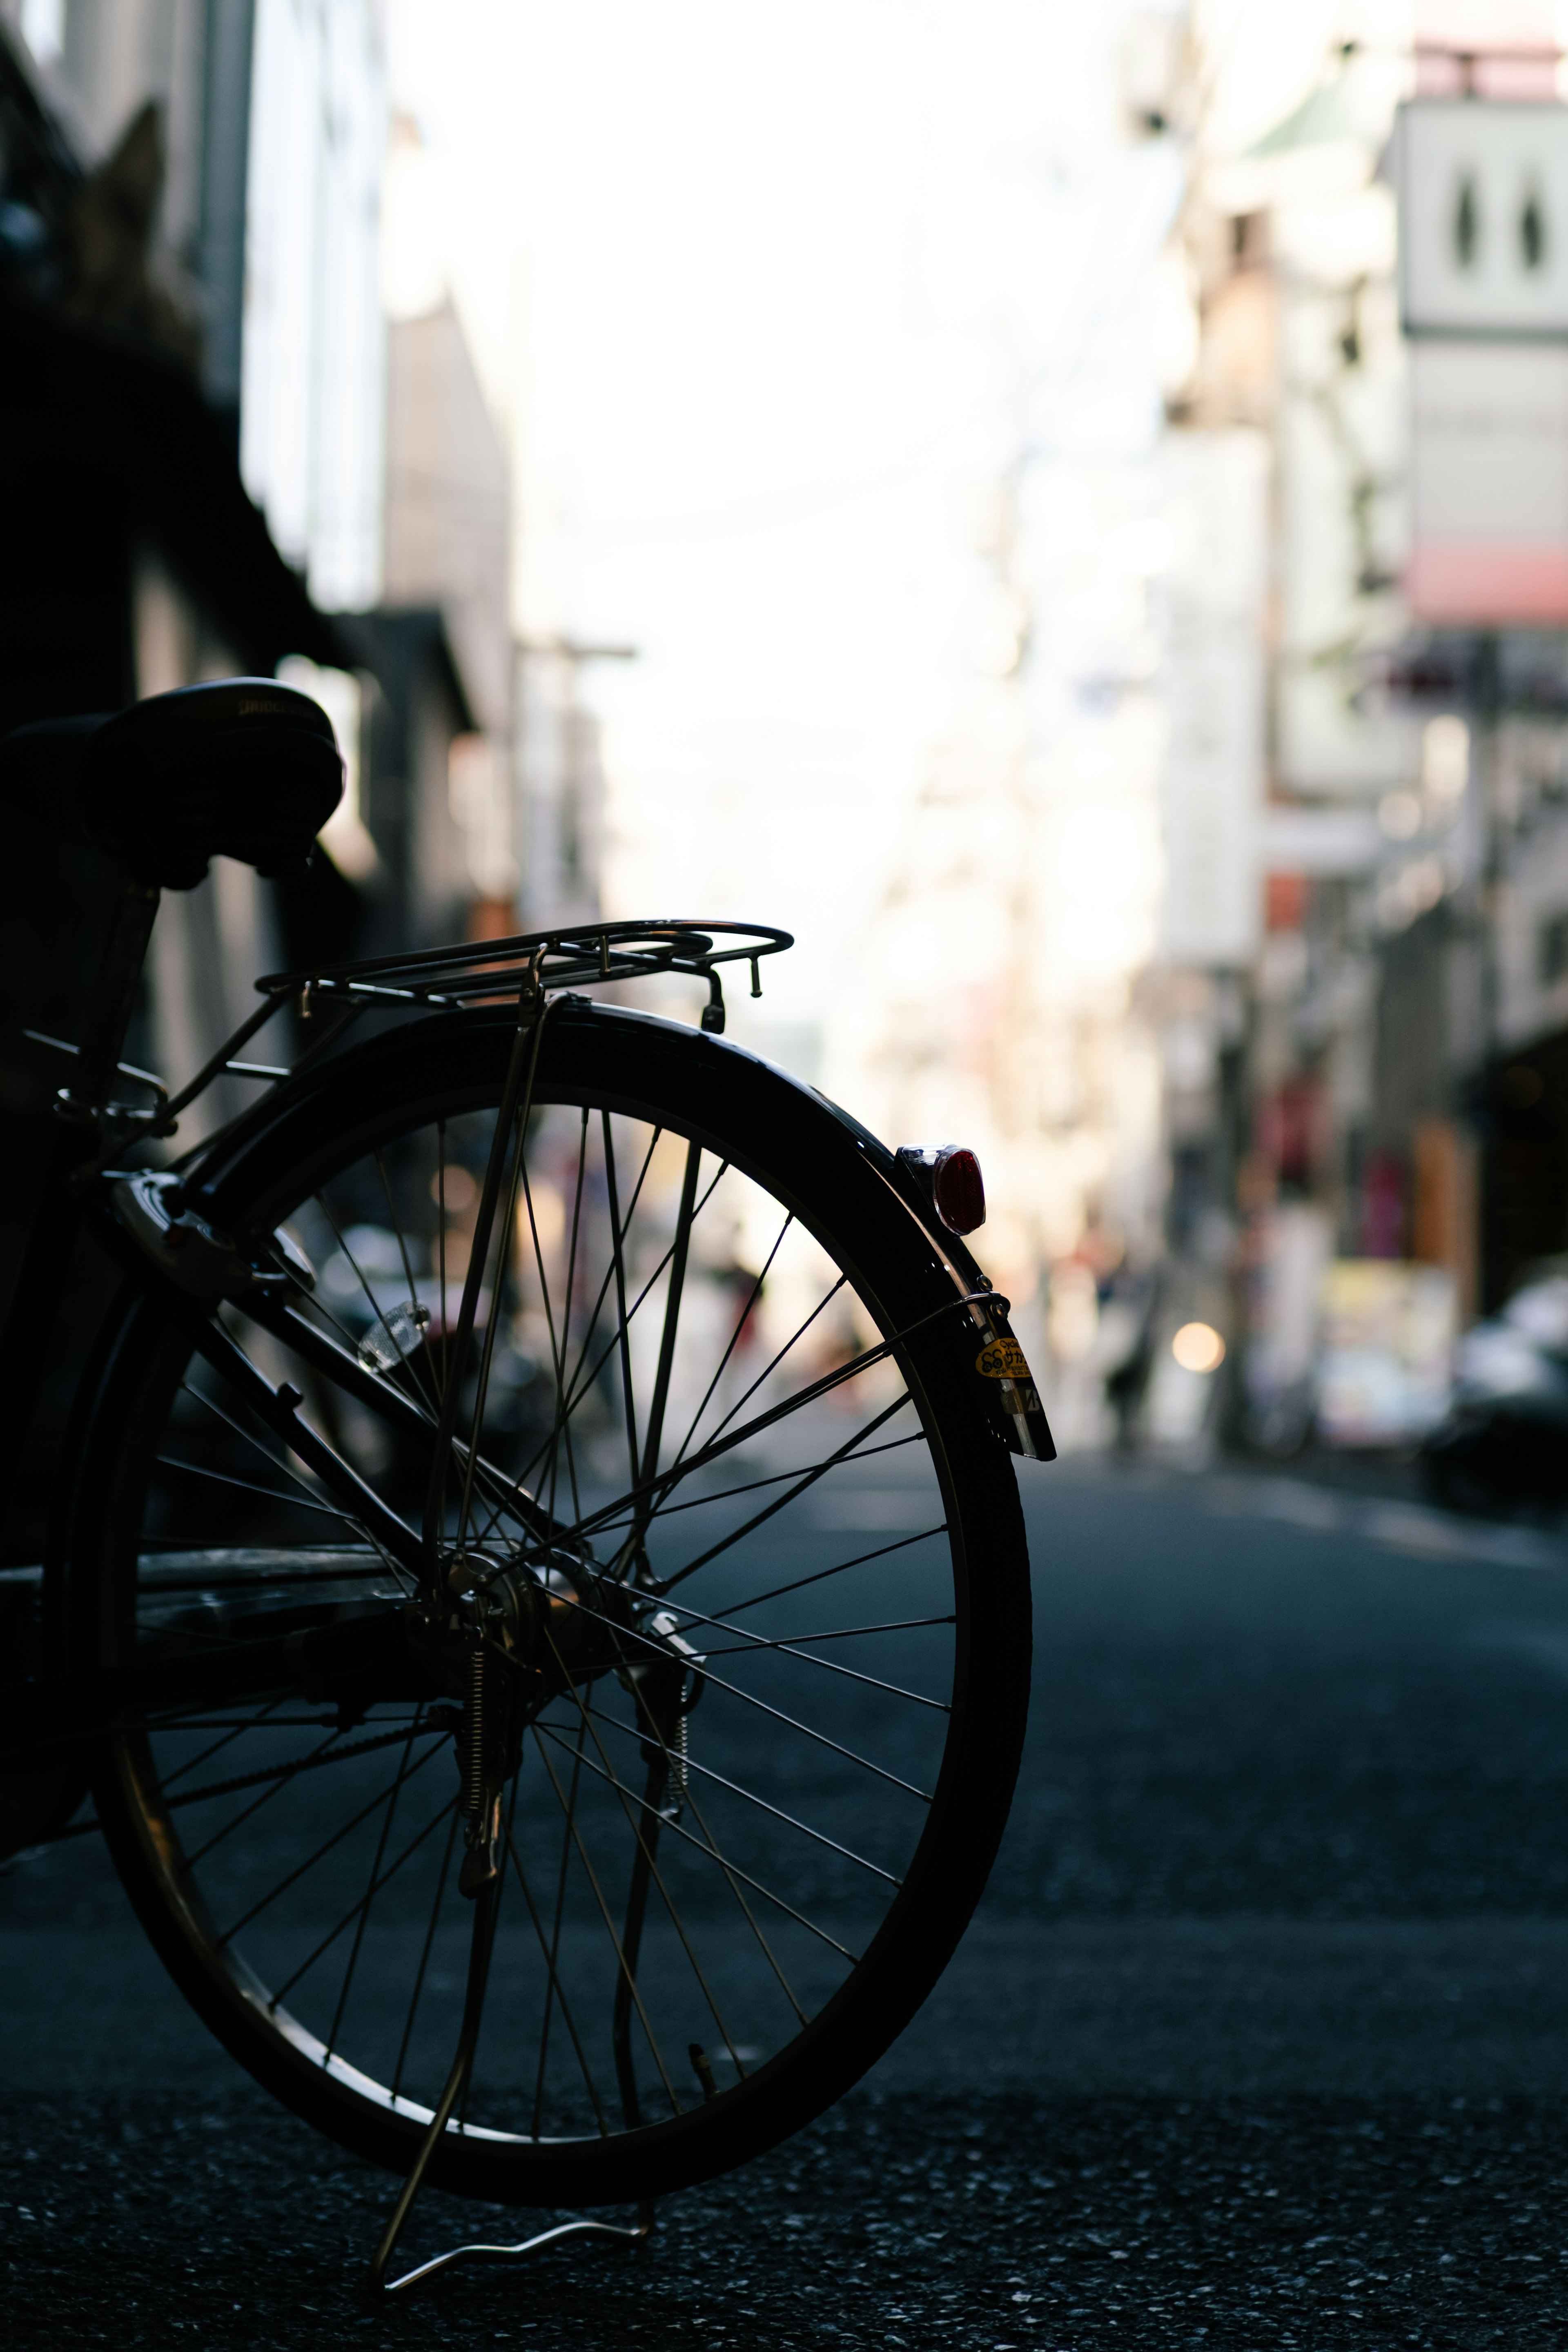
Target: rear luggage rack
<point x="481" y="971"/>
<point x="521" y="971"/>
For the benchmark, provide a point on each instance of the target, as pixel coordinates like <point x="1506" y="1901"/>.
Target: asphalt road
<point x="1257" y="2039"/>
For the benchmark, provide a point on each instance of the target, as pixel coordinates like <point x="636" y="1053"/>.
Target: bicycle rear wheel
<point x="734" y="1452"/>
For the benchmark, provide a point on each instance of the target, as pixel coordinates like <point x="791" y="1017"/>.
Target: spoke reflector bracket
<point x="397" y="1334"/>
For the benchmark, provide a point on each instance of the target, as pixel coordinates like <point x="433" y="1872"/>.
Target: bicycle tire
<point x="833" y="1187"/>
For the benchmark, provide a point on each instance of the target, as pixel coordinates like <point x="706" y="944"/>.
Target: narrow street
<point x="1257" y="2038"/>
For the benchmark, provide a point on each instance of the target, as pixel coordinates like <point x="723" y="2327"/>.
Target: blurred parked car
<point x="1502" y="1446"/>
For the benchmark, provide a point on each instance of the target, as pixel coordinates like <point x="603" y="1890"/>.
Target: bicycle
<point x="499" y="1393"/>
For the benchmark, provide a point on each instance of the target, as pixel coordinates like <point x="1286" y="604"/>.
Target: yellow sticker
<point x="1003" y="1360"/>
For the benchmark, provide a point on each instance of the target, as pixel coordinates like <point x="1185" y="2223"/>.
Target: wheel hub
<point x="554" y="1618"/>
<point x="525" y="1630"/>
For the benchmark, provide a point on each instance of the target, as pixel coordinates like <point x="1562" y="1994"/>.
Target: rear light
<point x="949" y="1177"/>
<point x="959" y="1189"/>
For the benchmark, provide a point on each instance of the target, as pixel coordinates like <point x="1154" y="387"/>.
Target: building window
<point x="1554" y="950"/>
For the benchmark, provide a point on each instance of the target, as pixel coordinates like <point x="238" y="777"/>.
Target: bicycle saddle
<point x="241" y="768"/>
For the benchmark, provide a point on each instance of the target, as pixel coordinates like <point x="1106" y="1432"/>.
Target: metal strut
<point x="485" y="1904"/>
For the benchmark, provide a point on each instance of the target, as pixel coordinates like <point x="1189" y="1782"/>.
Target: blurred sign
<point x="1217" y="486"/>
<point x="1489" y="483"/>
<point x="1388" y="1335"/>
<point x="1330" y="841"/>
<point x="1288" y="1249"/>
<point x="1343" y="452"/>
<point x="1483" y="218"/>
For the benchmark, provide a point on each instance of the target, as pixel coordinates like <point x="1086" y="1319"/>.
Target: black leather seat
<point x="242" y="768"/>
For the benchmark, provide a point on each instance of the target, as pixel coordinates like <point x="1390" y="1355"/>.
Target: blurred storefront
<point x="1381" y="292"/>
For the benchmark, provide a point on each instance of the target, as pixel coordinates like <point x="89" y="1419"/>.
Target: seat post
<point x="113" y="999"/>
<point x="35" y="1303"/>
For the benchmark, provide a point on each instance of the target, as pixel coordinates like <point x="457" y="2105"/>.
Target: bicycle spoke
<point x="646" y="1847"/>
<point x="498" y="1900"/>
<point x="377" y="1314"/>
<point x="454" y="1817"/>
<point x="714" y="1448"/>
<point x="581" y="1384"/>
<point x="247" y="1723"/>
<point x="301" y="1309"/>
<point x="818" y="1837"/>
<point x="678" y="1252"/>
<point x="788" y="1649"/>
<point x="411" y="1360"/>
<point x="732" y="1881"/>
<point x="821" y="1575"/>
<point x="786" y="1641"/>
<point x="267" y="1454"/>
<point x="555" y="1928"/>
<point x="755" y="1486"/>
<point x="562" y="1420"/>
<point x="320" y="1854"/>
<point x="374" y="1882"/>
<point x="334" y="1364"/>
<point x="794" y="1338"/>
<point x="274" y="1787"/>
<point x="441" y="1247"/>
<point x="744" y="1316"/>
<point x="501" y="1234"/>
<point x="754" y="1643"/>
<point x="578" y="1387"/>
<point x="378" y="1523"/>
<point x="576" y="1231"/>
<point x="750" y="1699"/>
<point x="361" y="1911"/>
<point x="271" y="1775"/>
<point x="609" y="1925"/>
<point x="556" y="1987"/>
<point x="782" y="1502"/>
<point x="618" y="1267"/>
<point x="547" y="1731"/>
<point x="249" y="1487"/>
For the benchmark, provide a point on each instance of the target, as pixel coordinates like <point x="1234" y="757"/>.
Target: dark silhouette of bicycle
<point x="537" y="1574"/>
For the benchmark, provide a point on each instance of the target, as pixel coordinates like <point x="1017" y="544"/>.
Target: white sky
<point x="766" y="299"/>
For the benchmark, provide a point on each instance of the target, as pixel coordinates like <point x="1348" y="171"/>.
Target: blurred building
<point x="133" y="558"/>
<point x="193" y="237"/>
<point x="1400" y="1023"/>
<point x="561" y="783"/>
<point x="312" y="362"/>
<point x="365" y="445"/>
<point x="1053" y="976"/>
<point x="438" y="799"/>
<point x="1006" y="1002"/>
<point x="215" y="458"/>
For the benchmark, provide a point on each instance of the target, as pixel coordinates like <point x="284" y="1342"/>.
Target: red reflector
<point x="959" y="1189"/>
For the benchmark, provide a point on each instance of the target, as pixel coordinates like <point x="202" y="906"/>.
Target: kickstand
<point x="457" y="2082"/>
<point x="525" y="2246"/>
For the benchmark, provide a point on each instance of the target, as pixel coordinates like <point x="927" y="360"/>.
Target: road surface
<point x="1258" y="2037"/>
